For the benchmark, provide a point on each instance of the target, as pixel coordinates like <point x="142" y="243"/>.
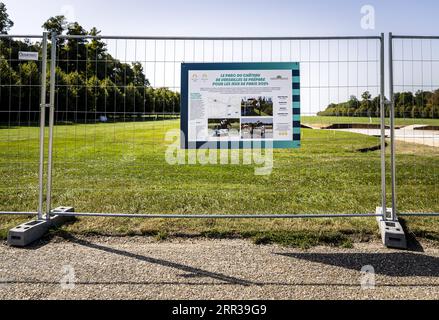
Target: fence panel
<point x="415" y="86"/>
<point x="20" y="98"/>
<point x="117" y="98"/>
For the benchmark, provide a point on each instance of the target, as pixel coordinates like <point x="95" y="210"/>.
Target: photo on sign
<point x="257" y="106"/>
<point x="257" y="128"/>
<point x="223" y="128"/>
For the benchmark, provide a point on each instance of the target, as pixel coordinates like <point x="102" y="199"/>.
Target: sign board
<point x="240" y="105"/>
<point x="24" y="55"/>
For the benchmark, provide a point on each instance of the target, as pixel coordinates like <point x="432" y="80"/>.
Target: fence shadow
<point x="413" y="243"/>
<point x="206" y="283"/>
<point x="394" y="264"/>
<point x="191" y="272"/>
<point x="399" y="264"/>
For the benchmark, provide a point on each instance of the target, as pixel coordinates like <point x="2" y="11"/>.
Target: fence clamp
<point x="45" y="105"/>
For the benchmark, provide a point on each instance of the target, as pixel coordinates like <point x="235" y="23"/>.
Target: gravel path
<point x="142" y="268"/>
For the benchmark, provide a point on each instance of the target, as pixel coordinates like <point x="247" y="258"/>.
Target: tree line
<point x="90" y="82"/>
<point x="422" y="104"/>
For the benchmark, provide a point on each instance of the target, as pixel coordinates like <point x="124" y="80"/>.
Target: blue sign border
<point x="184" y="116"/>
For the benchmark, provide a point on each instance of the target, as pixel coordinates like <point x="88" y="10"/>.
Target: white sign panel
<point x="240" y="105"/>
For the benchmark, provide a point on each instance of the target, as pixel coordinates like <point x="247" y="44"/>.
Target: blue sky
<point x="230" y="17"/>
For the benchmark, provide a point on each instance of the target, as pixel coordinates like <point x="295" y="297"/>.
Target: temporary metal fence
<point x="22" y="112"/>
<point x="413" y="86"/>
<point x="332" y="70"/>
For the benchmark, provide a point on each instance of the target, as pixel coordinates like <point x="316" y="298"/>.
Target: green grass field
<point x="121" y="167"/>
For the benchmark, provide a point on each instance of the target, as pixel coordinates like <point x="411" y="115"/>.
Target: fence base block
<point x="57" y="220"/>
<point x="26" y="233"/>
<point x="392" y="233"/>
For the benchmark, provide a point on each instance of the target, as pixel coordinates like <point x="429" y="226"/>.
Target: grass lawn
<point x="121" y="167"/>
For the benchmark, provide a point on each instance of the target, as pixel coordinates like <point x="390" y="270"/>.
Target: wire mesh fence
<point x="102" y="142"/>
<point x="20" y="99"/>
<point x="117" y="98"/>
<point x="415" y="87"/>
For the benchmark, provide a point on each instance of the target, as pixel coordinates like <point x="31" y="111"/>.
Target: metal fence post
<point x="392" y="130"/>
<point x="51" y="124"/>
<point x="42" y="126"/>
<point x="383" y="131"/>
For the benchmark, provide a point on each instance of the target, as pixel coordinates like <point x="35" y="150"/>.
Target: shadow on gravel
<point x="412" y="242"/>
<point x="191" y="271"/>
<point x="210" y="284"/>
<point x="399" y="264"/>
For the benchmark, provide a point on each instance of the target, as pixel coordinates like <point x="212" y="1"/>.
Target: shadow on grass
<point x="298" y="239"/>
<point x="304" y="239"/>
<point x="301" y="239"/>
<point x="415" y="232"/>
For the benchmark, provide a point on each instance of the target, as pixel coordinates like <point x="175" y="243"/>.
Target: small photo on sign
<point x="256" y="128"/>
<point x="223" y="128"/>
<point x="257" y="106"/>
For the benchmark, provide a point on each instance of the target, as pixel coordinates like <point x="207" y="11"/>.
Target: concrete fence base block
<point x="392" y="233"/>
<point x="56" y="220"/>
<point x="26" y="233"/>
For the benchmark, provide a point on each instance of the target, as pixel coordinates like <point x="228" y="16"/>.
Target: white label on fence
<point x="22" y="55"/>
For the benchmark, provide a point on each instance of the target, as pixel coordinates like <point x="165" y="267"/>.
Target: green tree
<point x="366" y="96"/>
<point x="57" y="24"/>
<point x="5" y="23"/>
<point x="90" y="82"/>
<point x="139" y="78"/>
<point x="97" y="53"/>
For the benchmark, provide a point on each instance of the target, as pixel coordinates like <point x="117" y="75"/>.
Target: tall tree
<point x="139" y="76"/>
<point x="90" y="81"/>
<point x="5" y="23"/>
<point x="366" y="95"/>
<point x="57" y="24"/>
